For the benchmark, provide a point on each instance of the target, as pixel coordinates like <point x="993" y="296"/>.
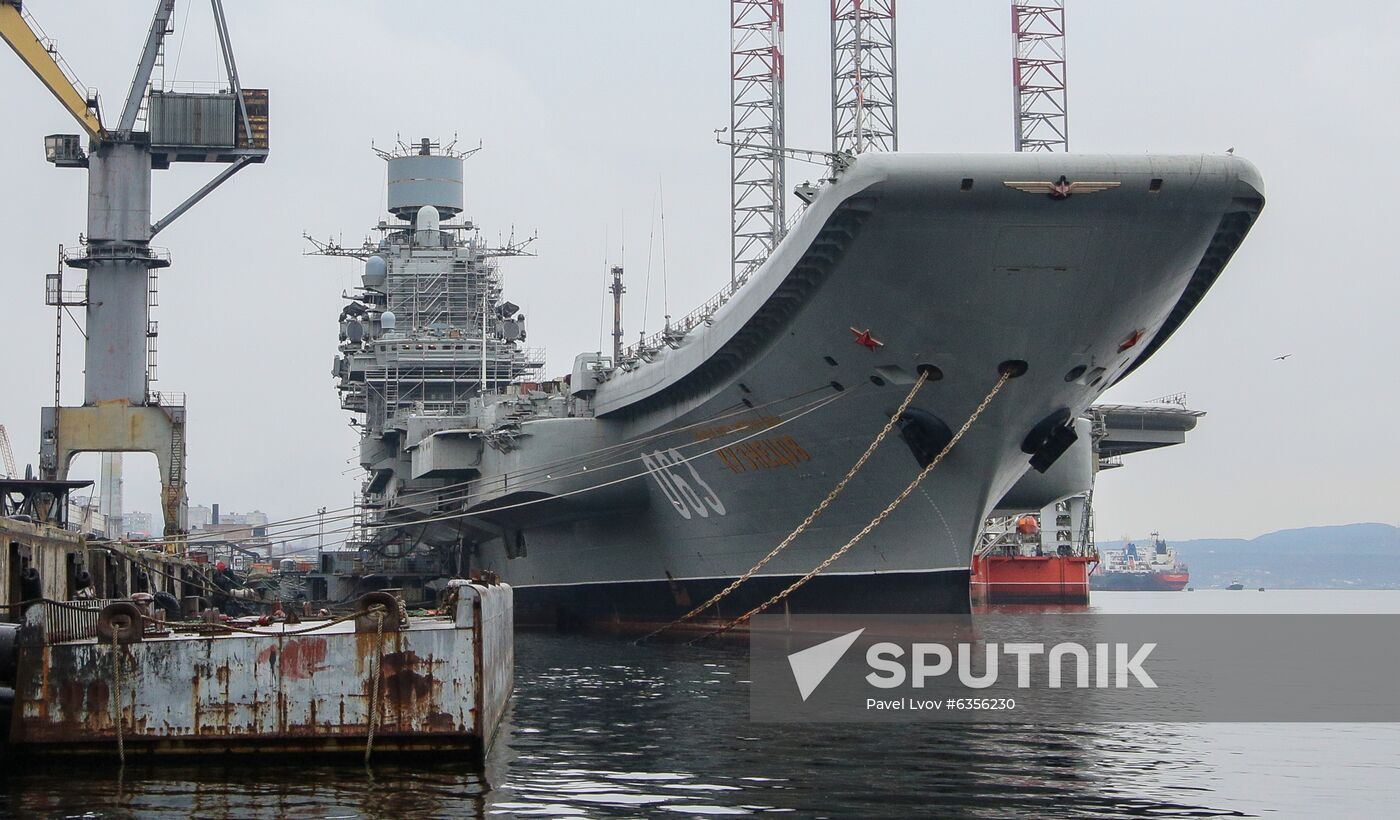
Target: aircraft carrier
<point x="640" y="484"/>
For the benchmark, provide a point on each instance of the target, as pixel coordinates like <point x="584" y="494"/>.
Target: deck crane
<point x="120" y="413"/>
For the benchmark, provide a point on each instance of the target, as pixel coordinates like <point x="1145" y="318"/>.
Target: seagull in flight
<point x="1284" y="357"/>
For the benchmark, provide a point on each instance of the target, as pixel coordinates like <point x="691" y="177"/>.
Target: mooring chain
<point x="117" y="697"/>
<point x="812" y="516"/>
<point x="376" y="675"/>
<point x="874" y="522"/>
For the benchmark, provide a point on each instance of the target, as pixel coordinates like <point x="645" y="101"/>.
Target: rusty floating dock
<point x="114" y="678"/>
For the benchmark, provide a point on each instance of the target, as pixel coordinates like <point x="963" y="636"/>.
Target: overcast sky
<point x="589" y="111"/>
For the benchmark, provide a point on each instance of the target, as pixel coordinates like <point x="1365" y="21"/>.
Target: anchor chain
<point x="812" y="516"/>
<point x="1006" y="375"/>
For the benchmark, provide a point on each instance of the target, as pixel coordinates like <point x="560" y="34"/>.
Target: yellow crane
<point x="18" y="32"/>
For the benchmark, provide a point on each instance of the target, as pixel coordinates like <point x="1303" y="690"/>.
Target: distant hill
<point x="1355" y="556"/>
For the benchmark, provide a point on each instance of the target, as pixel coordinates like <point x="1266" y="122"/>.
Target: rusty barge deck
<point x="116" y="681"/>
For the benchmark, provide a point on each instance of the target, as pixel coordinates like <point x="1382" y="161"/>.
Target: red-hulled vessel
<point x="1031" y="579"/>
<point x="1156" y="569"/>
<point x="1021" y="566"/>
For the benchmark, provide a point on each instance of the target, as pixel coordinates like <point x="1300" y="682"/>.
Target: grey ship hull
<point x="1082" y="289"/>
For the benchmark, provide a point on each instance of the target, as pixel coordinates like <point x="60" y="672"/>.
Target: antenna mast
<point x="616" y="289"/>
<point x="1038" y="74"/>
<point x="756" y="125"/>
<point x="863" y="91"/>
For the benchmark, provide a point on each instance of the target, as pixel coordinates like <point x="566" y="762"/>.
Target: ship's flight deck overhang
<point x="1133" y="428"/>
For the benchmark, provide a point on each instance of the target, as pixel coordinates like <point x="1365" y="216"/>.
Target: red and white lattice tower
<point x="863" y="111"/>
<point x="1038" y="71"/>
<point x="756" y="128"/>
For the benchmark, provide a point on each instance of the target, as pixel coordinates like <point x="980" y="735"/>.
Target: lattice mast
<point x="1038" y="75"/>
<point x="756" y="126"/>
<point x="863" y="78"/>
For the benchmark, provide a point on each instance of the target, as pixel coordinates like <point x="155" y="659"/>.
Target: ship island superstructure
<point x="432" y="357"/>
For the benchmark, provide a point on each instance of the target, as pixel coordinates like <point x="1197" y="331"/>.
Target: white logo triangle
<point x="811" y="666"/>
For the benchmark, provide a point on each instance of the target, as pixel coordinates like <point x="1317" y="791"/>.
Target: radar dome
<point x="376" y="272"/>
<point x="427" y="219"/>
<point x="386" y="320"/>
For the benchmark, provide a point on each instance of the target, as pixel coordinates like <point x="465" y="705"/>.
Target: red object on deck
<point x="1031" y="579"/>
<point x="1027" y="525"/>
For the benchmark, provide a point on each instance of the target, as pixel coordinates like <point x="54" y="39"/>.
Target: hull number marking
<point x="682" y="485"/>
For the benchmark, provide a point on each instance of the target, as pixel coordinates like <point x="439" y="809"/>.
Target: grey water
<point x="600" y="727"/>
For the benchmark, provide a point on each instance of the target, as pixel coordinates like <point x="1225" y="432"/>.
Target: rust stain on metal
<point x="248" y="692"/>
<point x="303" y="657"/>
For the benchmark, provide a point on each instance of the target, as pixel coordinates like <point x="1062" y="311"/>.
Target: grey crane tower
<point x="120" y="413"/>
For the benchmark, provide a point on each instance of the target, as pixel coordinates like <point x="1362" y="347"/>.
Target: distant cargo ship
<point x="1156" y="569"/>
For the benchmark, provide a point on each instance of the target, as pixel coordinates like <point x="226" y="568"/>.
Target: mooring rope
<point x="376" y="675"/>
<point x="874" y="522"/>
<point x="812" y="516"/>
<point x="286" y="633"/>
<point x="117" y="697"/>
